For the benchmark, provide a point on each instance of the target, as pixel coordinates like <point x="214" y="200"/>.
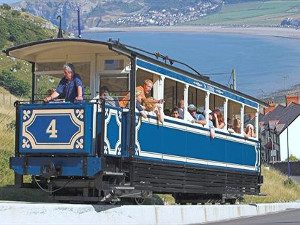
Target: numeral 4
<point x="52" y="129"/>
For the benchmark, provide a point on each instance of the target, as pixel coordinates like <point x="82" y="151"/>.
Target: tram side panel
<point x="200" y="164"/>
<point x="55" y="139"/>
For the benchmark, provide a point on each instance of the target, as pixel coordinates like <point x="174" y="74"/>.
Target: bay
<point x="263" y="64"/>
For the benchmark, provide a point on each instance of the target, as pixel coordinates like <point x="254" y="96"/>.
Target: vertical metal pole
<point x="18" y="177"/>
<point x="78" y="18"/>
<point x="225" y="106"/>
<point x="132" y="106"/>
<point x="233" y="79"/>
<point x="173" y="94"/>
<point x="176" y="94"/>
<point x="59" y="34"/>
<point x="288" y="152"/>
<point x="102" y="137"/>
<point x="272" y="149"/>
<point x="185" y="99"/>
<point x="33" y="89"/>
<point x="196" y="98"/>
<point x="207" y="107"/>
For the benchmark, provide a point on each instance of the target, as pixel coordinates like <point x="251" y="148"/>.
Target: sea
<point x="263" y="64"/>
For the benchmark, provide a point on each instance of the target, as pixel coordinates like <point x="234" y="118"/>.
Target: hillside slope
<point x="115" y="13"/>
<point x="254" y="13"/>
<point x="17" y="28"/>
<point x="124" y="13"/>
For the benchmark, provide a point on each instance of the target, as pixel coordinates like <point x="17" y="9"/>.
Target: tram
<point x="94" y="152"/>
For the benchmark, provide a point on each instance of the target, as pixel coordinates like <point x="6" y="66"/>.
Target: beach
<point x="263" y="31"/>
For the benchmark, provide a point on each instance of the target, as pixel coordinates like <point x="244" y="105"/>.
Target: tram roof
<point x="50" y="48"/>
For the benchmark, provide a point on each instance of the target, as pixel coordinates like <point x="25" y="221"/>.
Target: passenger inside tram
<point x="229" y="124"/>
<point x="211" y="125"/>
<point x="249" y="131"/>
<point x="181" y="109"/>
<point x="196" y="117"/>
<point x="175" y="113"/>
<point x="218" y="119"/>
<point x="237" y="125"/>
<point x="143" y="100"/>
<point x="104" y="94"/>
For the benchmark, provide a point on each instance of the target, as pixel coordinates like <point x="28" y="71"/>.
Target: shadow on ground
<point x="10" y="193"/>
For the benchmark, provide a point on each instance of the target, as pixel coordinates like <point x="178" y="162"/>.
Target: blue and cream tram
<point x="92" y="151"/>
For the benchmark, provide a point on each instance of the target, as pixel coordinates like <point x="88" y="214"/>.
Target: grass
<point x="277" y="188"/>
<point x="7" y="139"/>
<point x="257" y="13"/>
<point x="7" y="114"/>
<point x="7" y="142"/>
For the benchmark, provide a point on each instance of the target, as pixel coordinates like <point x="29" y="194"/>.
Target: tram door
<point x="113" y="85"/>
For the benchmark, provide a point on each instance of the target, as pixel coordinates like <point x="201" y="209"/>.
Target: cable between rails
<point x="47" y="191"/>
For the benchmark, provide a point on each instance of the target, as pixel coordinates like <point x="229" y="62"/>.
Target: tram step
<point x="108" y="173"/>
<point x="124" y="188"/>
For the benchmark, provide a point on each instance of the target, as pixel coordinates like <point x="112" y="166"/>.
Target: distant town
<point x="166" y="17"/>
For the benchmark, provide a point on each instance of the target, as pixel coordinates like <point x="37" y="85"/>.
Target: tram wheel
<point x="139" y="201"/>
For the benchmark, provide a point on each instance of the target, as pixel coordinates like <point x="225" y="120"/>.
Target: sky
<point x="8" y="1"/>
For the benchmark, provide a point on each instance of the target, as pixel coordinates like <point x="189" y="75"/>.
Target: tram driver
<point x="70" y="86"/>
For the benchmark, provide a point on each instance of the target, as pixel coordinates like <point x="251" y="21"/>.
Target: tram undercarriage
<point x="133" y="181"/>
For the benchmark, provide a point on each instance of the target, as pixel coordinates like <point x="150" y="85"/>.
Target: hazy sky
<point x="8" y="1"/>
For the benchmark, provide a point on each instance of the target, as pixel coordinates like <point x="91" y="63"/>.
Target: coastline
<point x="281" y="32"/>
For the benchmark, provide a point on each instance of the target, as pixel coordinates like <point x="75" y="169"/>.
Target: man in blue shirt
<point x="70" y="86"/>
<point x="197" y="117"/>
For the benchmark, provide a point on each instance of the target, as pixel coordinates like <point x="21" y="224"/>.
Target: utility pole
<point x="233" y="75"/>
<point x="288" y="153"/>
<point x="284" y="81"/>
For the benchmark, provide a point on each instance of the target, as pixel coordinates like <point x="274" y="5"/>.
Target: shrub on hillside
<point x="5" y="6"/>
<point x="15" y="13"/>
<point x="14" y="85"/>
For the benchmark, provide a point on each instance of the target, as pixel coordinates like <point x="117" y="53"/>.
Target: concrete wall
<point x="48" y="214"/>
<point x="293" y="140"/>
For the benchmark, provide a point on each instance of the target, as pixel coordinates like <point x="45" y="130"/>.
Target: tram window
<point x="114" y="64"/>
<point x="250" y="121"/>
<point x="173" y="93"/>
<point x="234" y="116"/>
<point x="117" y="84"/>
<point x="143" y="75"/>
<point x="197" y="98"/>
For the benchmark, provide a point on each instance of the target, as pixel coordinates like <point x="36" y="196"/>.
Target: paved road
<point x="288" y="217"/>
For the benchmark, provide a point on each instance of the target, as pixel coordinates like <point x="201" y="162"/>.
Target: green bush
<point x="15" y="13"/>
<point x="293" y="158"/>
<point x="5" y="7"/>
<point x="14" y="85"/>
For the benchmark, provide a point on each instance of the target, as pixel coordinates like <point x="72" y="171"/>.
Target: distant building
<point x="280" y="128"/>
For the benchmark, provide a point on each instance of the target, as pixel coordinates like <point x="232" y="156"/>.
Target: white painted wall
<point x="19" y="213"/>
<point x="294" y="140"/>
